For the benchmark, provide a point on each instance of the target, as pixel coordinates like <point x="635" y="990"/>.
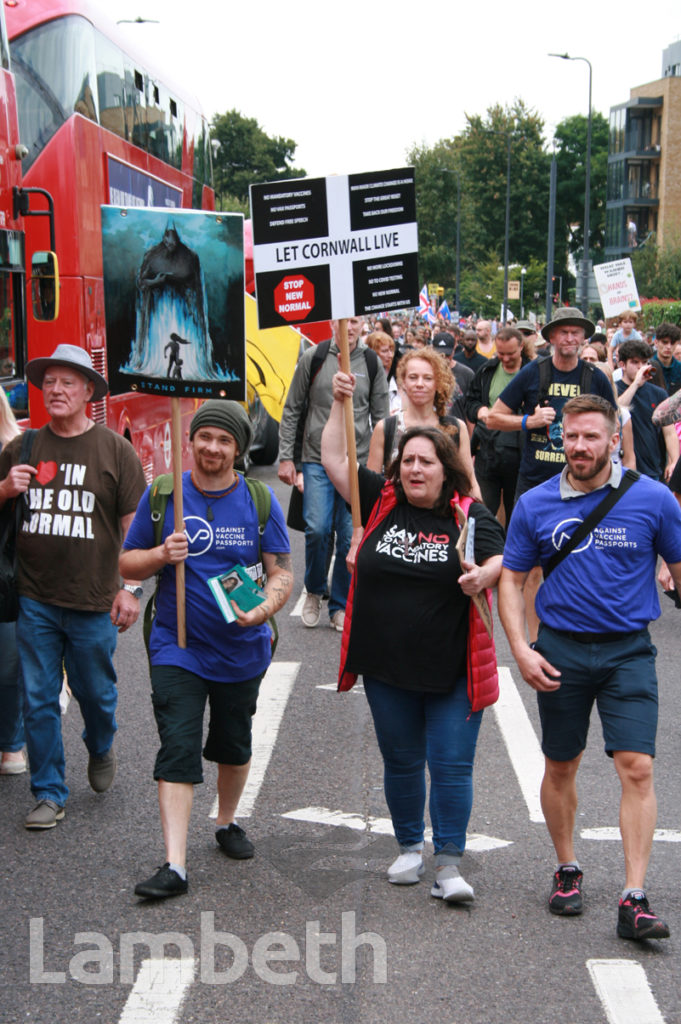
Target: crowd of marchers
<point x="537" y="462"/>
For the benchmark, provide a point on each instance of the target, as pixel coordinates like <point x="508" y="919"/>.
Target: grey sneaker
<point x="312" y="609"/>
<point x="45" y="814"/>
<point x="407" y="869"/>
<point x="101" y="771"/>
<point x="450" y="886"/>
<point x="337" y="620"/>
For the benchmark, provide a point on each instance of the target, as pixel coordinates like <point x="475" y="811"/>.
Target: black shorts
<point x="619" y="676"/>
<point x="179" y="700"/>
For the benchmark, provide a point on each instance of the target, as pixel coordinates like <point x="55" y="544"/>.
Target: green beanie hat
<point x="224" y="415"/>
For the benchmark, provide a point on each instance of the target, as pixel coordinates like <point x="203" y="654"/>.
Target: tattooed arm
<point x="279" y="571"/>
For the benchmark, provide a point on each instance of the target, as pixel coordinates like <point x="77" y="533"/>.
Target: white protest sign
<point x="328" y="248"/>
<point x="617" y="287"/>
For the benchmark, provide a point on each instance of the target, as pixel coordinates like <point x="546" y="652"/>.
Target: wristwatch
<point x="135" y="591"/>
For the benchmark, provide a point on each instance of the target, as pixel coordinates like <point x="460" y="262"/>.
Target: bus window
<point x="45" y="286"/>
<point x="54" y="67"/>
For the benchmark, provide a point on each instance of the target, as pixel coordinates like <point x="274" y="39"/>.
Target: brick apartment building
<point x="644" y="163"/>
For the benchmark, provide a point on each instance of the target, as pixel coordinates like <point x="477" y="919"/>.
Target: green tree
<point x="658" y="271"/>
<point x="473" y="164"/>
<point x="484" y="162"/>
<point x="571" y="137"/>
<point x="245" y="154"/>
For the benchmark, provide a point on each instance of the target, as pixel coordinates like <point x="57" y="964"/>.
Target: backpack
<point x="12" y="516"/>
<point x="545" y="367"/>
<point x="319" y="355"/>
<point x="159" y="492"/>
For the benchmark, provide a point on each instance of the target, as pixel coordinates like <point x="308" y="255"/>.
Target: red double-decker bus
<point x="14" y="206"/>
<point x="99" y="126"/>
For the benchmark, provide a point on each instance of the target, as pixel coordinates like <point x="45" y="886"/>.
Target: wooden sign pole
<point x="176" y="441"/>
<point x="344" y="347"/>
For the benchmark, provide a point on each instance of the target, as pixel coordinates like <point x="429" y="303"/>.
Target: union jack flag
<point x="424" y="305"/>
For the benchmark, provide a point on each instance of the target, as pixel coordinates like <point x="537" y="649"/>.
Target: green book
<point x="235" y="585"/>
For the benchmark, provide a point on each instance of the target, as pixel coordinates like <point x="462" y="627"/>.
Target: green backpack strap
<point x="159" y="492"/>
<point x="262" y="499"/>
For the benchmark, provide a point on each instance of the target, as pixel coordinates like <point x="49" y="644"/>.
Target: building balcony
<point x="644" y="194"/>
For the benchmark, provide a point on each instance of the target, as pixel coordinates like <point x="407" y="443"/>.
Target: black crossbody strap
<point x="600" y="512"/>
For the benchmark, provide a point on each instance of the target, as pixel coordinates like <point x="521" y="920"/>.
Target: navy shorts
<point x="179" y="700"/>
<point x="618" y="675"/>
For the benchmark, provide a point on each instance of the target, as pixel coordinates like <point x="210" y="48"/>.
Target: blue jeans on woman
<point x="84" y="642"/>
<point x="325" y="512"/>
<point x="414" y="729"/>
<point x="11" y="717"/>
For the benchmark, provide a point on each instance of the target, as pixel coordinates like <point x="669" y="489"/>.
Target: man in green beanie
<point x="223" y="662"/>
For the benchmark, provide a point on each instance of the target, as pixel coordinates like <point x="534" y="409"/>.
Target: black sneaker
<point x="234" y="842"/>
<point x="635" y="919"/>
<point x="166" y="882"/>
<point x="566" y="896"/>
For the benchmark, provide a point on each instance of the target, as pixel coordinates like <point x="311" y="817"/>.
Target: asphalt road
<point x="79" y="947"/>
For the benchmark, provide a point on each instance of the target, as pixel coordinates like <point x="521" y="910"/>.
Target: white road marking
<point x="475" y="842"/>
<point x="521" y="742"/>
<point x="661" y="835"/>
<point x="623" y="989"/>
<point x="275" y="690"/>
<point x="357" y="688"/>
<point x="159" y="989"/>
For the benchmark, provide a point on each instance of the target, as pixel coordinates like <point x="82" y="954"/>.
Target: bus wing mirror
<point x="45" y="286"/>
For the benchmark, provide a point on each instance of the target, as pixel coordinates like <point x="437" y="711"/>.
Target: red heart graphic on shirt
<point x="46" y="472"/>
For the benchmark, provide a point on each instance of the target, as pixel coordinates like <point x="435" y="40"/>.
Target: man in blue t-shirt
<point x="223" y="662"/>
<point x="593" y="643"/>
<point x="656" y="448"/>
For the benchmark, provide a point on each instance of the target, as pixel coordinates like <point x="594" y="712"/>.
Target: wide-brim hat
<point x="568" y="316"/>
<point x="68" y="355"/>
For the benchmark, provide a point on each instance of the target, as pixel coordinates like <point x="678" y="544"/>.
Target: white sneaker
<point x="450" y="886"/>
<point x="407" y="869"/>
<point x="312" y="609"/>
<point x="337" y="620"/>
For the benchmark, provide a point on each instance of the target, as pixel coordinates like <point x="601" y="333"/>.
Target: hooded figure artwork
<point x="171" y="304"/>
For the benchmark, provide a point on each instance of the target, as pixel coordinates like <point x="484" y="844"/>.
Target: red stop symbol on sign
<point x="294" y="298"/>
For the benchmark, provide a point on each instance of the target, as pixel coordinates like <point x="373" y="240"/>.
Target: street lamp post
<point x="447" y="170"/>
<point x="523" y="271"/>
<point x="507" y="223"/>
<point x="587" y="190"/>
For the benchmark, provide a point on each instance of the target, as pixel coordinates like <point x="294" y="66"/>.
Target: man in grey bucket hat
<point x="82" y="483"/>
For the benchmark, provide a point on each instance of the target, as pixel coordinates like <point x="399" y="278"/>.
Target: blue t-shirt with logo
<point x="543" y="454"/>
<point x="607" y="584"/>
<point x="216" y="650"/>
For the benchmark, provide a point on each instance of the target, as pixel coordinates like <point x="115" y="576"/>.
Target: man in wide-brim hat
<point x="83" y="483"/>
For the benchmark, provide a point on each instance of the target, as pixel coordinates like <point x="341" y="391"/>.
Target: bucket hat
<point x="68" y="355"/>
<point x="568" y="316"/>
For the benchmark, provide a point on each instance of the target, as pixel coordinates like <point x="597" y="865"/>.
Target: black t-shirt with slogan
<point x="84" y="485"/>
<point x="543" y="455"/>
<point x="410" y="616"/>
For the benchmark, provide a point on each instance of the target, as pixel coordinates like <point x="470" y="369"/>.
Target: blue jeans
<point x="11" y="718"/>
<point x="413" y="729"/>
<point x="325" y="512"/>
<point x="84" y="642"/>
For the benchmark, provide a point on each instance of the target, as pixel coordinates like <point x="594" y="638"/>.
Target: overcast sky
<point x="357" y="83"/>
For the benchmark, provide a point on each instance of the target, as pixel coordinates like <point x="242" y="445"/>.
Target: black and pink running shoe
<point x="566" y="895"/>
